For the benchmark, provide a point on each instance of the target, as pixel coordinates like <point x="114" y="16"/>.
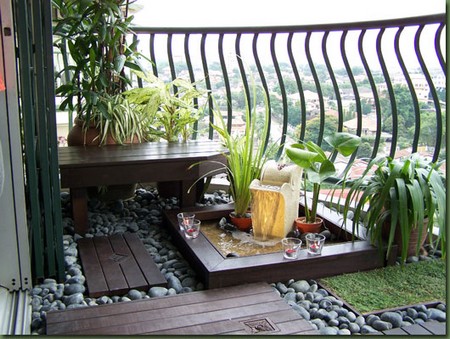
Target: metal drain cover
<point x="262" y="326"/>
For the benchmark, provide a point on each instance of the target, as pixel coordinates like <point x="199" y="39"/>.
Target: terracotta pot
<point x="307" y="227"/>
<point x="78" y="136"/>
<point x="414" y="237"/>
<point x="242" y="223"/>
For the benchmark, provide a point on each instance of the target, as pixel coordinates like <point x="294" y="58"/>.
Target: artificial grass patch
<point x="392" y="286"/>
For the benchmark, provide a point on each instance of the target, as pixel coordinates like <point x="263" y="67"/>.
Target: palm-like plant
<point x="401" y="194"/>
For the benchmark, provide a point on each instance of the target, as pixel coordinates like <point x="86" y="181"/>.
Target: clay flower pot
<point x="307" y="227"/>
<point x="242" y="223"/>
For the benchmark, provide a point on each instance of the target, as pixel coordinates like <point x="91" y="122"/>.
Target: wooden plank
<point x="127" y="262"/>
<point x="416" y="329"/>
<point x="158" y="303"/>
<point x="117" y="283"/>
<point x="171" y="317"/>
<point x="96" y="283"/>
<point x="395" y="331"/>
<point x="205" y="312"/>
<point x="435" y="327"/>
<point x="149" y="269"/>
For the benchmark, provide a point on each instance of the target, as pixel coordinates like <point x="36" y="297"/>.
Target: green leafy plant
<point x="171" y="104"/>
<point x="401" y="194"/>
<point x="246" y="152"/>
<point x="93" y="35"/>
<point x="317" y="166"/>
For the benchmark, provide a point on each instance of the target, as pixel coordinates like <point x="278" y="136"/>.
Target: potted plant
<point x="93" y="35"/>
<point x="171" y="105"/>
<point x="317" y="167"/>
<point x="401" y="201"/>
<point x="246" y="155"/>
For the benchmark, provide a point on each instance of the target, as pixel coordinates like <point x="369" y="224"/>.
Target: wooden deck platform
<point x="425" y="329"/>
<point x="113" y="265"/>
<point x="245" y="309"/>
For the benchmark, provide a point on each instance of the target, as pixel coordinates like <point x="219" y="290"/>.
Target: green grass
<point x="392" y="286"/>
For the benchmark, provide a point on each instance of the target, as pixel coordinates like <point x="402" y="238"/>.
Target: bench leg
<point x="79" y="209"/>
<point x="189" y="199"/>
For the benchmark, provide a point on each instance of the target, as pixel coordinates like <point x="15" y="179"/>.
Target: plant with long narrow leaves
<point x="401" y="194"/>
<point x="246" y="153"/>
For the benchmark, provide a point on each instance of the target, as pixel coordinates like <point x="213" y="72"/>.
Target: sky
<point x="209" y="13"/>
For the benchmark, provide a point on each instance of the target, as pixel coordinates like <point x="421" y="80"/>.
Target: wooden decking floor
<point x="113" y="265"/>
<point x="426" y="329"/>
<point x="244" y="309"/>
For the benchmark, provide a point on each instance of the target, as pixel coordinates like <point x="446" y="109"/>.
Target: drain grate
<point x="260" y="325"/>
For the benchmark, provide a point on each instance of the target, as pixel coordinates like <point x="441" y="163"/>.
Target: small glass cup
<point x="185" y="219"/>
<point x="291" y="246"/>
<point x="314" y="243"/>
<point x="193" y="230"/>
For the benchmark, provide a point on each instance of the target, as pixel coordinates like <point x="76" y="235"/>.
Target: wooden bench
<point x="83" y="167"/>
<point x="244" y="309"/>
<point x="116" y="264"/>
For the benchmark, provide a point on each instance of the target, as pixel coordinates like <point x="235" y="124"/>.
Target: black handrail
<point x="299" y="55"/>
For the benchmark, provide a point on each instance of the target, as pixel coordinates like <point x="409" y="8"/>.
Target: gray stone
<point x="360" y="320"/>
<point x="300" y="310"/>
<point x="124" y="299"/>
<point x="320" y="314"/>
<point x="71" y="306"/>
<point x="351" y="316"/>
<point x="333" y="322"/>
<point x="328" y="331"/>
<point x="366" y="329"/>
<point x="313" y="288"/>
<point x="304" y="303"/>
<point x="323" y="292"/>
<point x="69" y="260"/>
<point x="300" y="286"/>
<point x="188" y="282"/>
<point x="441" y="307"/>
<point x="175" y="283"/>
<point x="74" y="288"/>
<point x="381" y="325"/>
<point x="318" y="322"/>
<point x="371" y="318"/>
<point x="393" y="317"/>
<point x="326" y="304"/>
<point x="411" y="312"/>
<point x="422" y="315"/>
<point x="36" y="302"/>
<point x="342" y="312"/>
<point x="309" y="296"/>
<point x="134" y="294"/>
<point x="435" y="314"/>
<point x="300" y="296"/>
<point x="354" y="328"/>
<point x="290" y="296"/>
<point x="77" y="279"/>
<point x="281" y="287"/>
<point x="344" y="331"/>
<point x="343" y="320"/>
<point x="76" y="298"/>
<point x="331" y="315"/>
<point x="157" y="291"/>
<point x="104" y="300"/>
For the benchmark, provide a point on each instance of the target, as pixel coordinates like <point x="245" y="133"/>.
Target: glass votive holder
<point x="185" y="219"/>
<point x="193" y="230"/>
<point x="314" y="243"/>
<point x="291" y="246"/>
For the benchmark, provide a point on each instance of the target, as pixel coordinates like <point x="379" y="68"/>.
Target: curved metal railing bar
<point x="411" y="89"/>
<point x="299" y="87"/>
<point x="307" y="73"/>
<point x="432" y="91"/>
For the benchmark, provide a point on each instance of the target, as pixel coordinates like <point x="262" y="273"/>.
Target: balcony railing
<point x="383" y="80"/>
